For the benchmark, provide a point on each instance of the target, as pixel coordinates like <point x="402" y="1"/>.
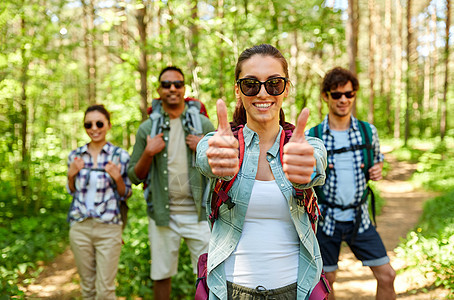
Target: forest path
<point x="400" y="214"/>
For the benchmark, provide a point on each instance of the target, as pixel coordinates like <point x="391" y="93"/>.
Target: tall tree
<point x="398" y="69"/>
<point x="444" y="112"/>
<point x="142" y="67"/>
<point x="409" y="70"/>
<point x="90" y="48"/>
<point x="352" y="38"/>
<point x="387" y="64"/>
<point x="194" y="46"/>
<point x="24" y="165"/>
<point x="372" y="47"/>
<point x="435" y="73"/>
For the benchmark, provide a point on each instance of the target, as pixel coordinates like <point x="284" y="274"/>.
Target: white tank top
<point x="267" y="252"/>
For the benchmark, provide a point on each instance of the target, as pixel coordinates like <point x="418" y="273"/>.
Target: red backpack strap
<point x="304" y="197"/>
<point x="222" y="187"/>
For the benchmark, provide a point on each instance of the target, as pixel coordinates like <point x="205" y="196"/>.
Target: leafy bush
<point x="25" y="244"/>
<point x="134" y="267"/>
<point x="430" y="247"/>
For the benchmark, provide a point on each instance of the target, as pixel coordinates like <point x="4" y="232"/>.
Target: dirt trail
<point x="401" y="213"/>
<point x="399" y="216"/>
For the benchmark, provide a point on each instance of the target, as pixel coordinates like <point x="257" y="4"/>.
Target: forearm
<point x="121" y="186"/>
<point x="71" y="183"/>
<point x="143" y="166"/>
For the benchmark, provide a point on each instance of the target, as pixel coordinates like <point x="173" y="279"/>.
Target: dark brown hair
<point x="100" y="108"/>
<point x="170" y="68"/>
<point x="239" y="115"/>
<point x="338" y="77"/>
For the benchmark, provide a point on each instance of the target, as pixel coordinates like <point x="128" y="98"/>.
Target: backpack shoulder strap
<point x="368" y="151"/>
<point x="157" y="119"/>
<point x="192" y="117"/>
<point x="316" y="131"/>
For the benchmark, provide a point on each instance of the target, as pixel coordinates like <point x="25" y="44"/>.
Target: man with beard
<point x="163" y="159"/>
<point x="354" y="157"/>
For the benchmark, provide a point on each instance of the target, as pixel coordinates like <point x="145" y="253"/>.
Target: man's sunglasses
<point x="273" y="86"/>
<point x="167" y="84"/>
<point x="99" y="124"/>
<point x="338" y="95"/>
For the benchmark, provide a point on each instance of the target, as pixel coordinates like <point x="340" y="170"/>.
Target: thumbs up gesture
<point x="222" y="150"/>
<point x="298" y="159"/>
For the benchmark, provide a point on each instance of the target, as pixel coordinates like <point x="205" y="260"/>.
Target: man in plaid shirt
<point x="345" y="185"/>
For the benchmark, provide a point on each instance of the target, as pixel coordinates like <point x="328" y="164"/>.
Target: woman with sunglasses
<point x="264" y="245"/>
<point x="98" y="182"/>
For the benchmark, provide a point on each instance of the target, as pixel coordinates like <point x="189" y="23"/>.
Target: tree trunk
<point x="372" y="47"/>
<point x="294" y="53"/>
<point x="352" y="38"/>
<point x="409" y="71"/>
<point x="143" y="65"/>
<point x="194" y="47"/>
<point x="220" y="15"/>
<point x="435" y="74"/>
<point x="387" y="64"/>
<point x="90" y="55"/>
<point x="24" y="198"/>
<point x="398" y="70"/>
<point x="444" y="117"/>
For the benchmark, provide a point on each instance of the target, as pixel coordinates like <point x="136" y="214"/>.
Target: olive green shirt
<point x="158" y="206"/>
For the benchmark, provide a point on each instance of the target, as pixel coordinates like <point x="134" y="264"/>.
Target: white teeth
<point x="262" y="105"/>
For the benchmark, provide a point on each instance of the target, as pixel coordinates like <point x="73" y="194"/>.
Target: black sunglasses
<point x="338" y="95"/>
<point x="99" y="124"/>
<point x="167" y="84"/>
<point x="273" y="86"/>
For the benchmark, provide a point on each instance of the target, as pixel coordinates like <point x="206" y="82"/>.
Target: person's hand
<point x="222" y="152"/>
<point x="298" y="159"/>
<point x="75" y="167"/>
<point x="113" y="170"/>
<point x="192" y="141"/>
<point x="155" y="144"/>
<point x="375" y="172"/>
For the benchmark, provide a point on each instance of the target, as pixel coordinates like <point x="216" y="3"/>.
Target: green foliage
<point x="133" y="278"/>
<point x="26" y="243"/>
<point x="430" y="247"/>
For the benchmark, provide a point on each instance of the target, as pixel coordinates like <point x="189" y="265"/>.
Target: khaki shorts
<point x="165" y="243"/>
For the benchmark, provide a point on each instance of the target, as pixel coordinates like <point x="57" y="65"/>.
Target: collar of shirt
<point x="249" y="135"/>
<point x="353" y="124"/>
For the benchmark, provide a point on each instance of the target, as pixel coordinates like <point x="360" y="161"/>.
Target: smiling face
<point x="96" y="134"/>
<point x="261" y="109"/>
<point x="171" y="97"/>
<point x="341" y="107"/>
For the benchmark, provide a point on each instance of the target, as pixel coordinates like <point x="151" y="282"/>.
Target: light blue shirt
<point x="227" y="229"/>
<point x="345" y="177"/>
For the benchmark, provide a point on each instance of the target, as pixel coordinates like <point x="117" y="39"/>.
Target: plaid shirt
<point x="328" y="224"/>
<point x="106" y="205"/>
<point x="227" y="229"/>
